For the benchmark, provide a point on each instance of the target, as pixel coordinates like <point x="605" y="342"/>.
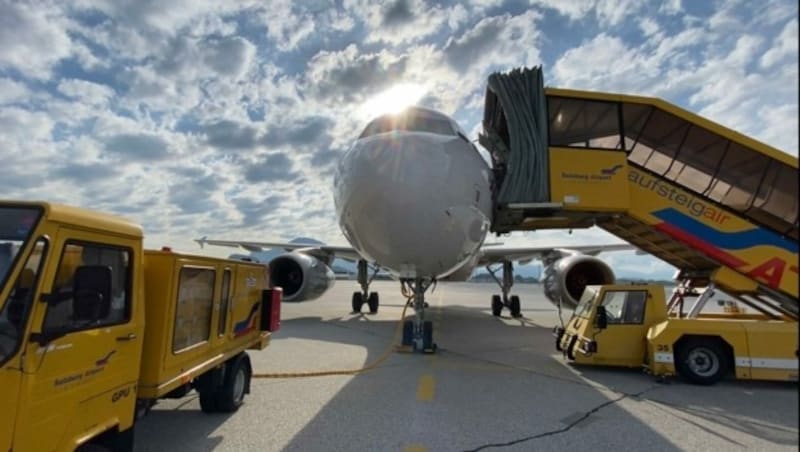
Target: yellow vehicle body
<point x="635" y="329"/>
<point x="80" y="355"/>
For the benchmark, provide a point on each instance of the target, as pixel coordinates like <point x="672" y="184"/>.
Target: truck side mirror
<point x="91" y="292"/>
<point x="601" y="319"/>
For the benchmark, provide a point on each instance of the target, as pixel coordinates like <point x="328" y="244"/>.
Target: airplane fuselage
<point x="413" y="195"/>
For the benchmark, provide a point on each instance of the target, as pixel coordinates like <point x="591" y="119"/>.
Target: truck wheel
<point x="702" y="361"/>
<point x="208" y="401"/>
<point x="237" y="379"/>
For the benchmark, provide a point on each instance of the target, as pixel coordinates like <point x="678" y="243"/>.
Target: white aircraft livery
<point x="414" y="196"/>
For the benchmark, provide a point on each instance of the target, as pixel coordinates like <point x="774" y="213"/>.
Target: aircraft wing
<point x="342" y="252"/>
<point x="497" y="255"/>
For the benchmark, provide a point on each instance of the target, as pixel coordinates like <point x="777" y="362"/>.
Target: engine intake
<point x="566" y="278"/>
<point x="302" y="277"/>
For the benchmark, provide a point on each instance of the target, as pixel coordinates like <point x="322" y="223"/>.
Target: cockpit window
<point x="411" y="123"/>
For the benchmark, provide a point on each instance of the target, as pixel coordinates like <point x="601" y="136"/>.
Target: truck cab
<point x="610" y="324"/>
<point x="76" y="362"/>
<point x="70" y="323"/>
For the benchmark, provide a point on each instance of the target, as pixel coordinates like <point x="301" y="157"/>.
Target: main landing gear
<point x="498" y="301"/>
<point x="364" y="279"/>
<point x="418" y="333"/>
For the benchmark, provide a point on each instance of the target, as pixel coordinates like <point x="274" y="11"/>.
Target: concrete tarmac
<point x="494" y="384"/>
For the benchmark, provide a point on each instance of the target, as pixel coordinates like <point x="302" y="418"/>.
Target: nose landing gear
<point x="418" y="333"/>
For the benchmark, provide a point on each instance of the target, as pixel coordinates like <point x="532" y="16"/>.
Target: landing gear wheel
<point x="514" y="307"/>
<point x="408" y="333"/>
<point x="373" y="302"/>
<point x="358" y="301"/>
<point x="702" y="361"/>
<point x="237" y="379"/>
<point x="497" y="305"/>
<point x="427" y="337"/>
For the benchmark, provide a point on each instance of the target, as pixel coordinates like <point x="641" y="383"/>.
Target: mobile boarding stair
<point x="719" y="206"/>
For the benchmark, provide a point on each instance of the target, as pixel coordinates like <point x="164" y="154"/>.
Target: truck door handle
<point x="128" y="337"/>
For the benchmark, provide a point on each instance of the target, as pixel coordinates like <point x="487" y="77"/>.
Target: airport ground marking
<point x="415" y="448"/>
<point x="425" y="388"/>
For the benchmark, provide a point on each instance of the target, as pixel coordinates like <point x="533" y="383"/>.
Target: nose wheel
<point x="506" y="282"/>
<point x="418" y="333"/>
<point x="371" y="299"/>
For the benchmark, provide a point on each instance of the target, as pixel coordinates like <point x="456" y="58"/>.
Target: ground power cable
<point x="324" y="373"/>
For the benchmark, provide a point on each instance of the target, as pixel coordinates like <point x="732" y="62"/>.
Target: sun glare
<point x="393" y="100"/>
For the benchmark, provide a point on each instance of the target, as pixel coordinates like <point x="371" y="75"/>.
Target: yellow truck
<point x="633" y="326"/>
<point x="94" y="328"/>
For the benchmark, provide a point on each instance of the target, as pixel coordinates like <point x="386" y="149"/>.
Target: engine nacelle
<point x="301" y="276"/>
<point x="566" y="278"/>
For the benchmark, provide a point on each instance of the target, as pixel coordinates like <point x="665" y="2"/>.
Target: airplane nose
<point x="400" y="202"/>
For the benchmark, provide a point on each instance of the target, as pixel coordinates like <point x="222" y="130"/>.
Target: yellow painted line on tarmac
<point x="425" y="388"/>
<point x="415" y="448"/>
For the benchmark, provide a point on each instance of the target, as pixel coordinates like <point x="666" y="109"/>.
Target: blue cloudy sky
<point x="201" y="117"/>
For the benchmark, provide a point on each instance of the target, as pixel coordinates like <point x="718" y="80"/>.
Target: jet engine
<point x="566" y="278"/>
<point x="301" y="276"/>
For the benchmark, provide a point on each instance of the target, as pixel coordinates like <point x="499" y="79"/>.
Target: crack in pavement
<point x="565" y="429"/>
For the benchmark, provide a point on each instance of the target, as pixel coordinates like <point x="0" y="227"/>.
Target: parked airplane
<point x="413" y="196"/>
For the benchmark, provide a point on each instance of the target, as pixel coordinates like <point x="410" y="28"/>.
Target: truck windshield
<point x="16" y="225"/>
<point x="584" y="305"/>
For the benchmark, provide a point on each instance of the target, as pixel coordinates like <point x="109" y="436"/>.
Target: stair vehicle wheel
<point x="237" y="379"/>
<point x="571" y="348"/>
<point x="515" y="307"/>
<point x="373" y="302"/>
<point x="408" y="332"/>
<point x="702" y="361"/>
<point x="497" y="305"/>
<point x="358" y="301"/>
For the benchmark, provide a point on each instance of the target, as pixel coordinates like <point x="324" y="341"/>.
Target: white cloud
<point x="32" y="38"/>
<point x="404" y="21"/>
<point x="233" y="103"/>
<point x="12" y="91"/>
<point x="94" y="94"/>
<point x="784" y="46"/>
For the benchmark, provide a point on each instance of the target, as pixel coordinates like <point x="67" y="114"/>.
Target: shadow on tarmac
<point x="499" y="383"/>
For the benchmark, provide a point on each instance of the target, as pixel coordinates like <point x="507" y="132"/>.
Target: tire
<point x="124" y="441"/>
<point x="373" y="302"/>
<point x="208" y="401"/>
<point x="571" y="348"/>
<point x="427" y="336"/>
<point x="702" y="361"/>
<point x="408" y="332"/>
<point x="358" y="301"/>
<point x="497" y="305"/>
<point x="237" y="379"/>
<point x="558" y="341"/>
<point x="515" y="307"/>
